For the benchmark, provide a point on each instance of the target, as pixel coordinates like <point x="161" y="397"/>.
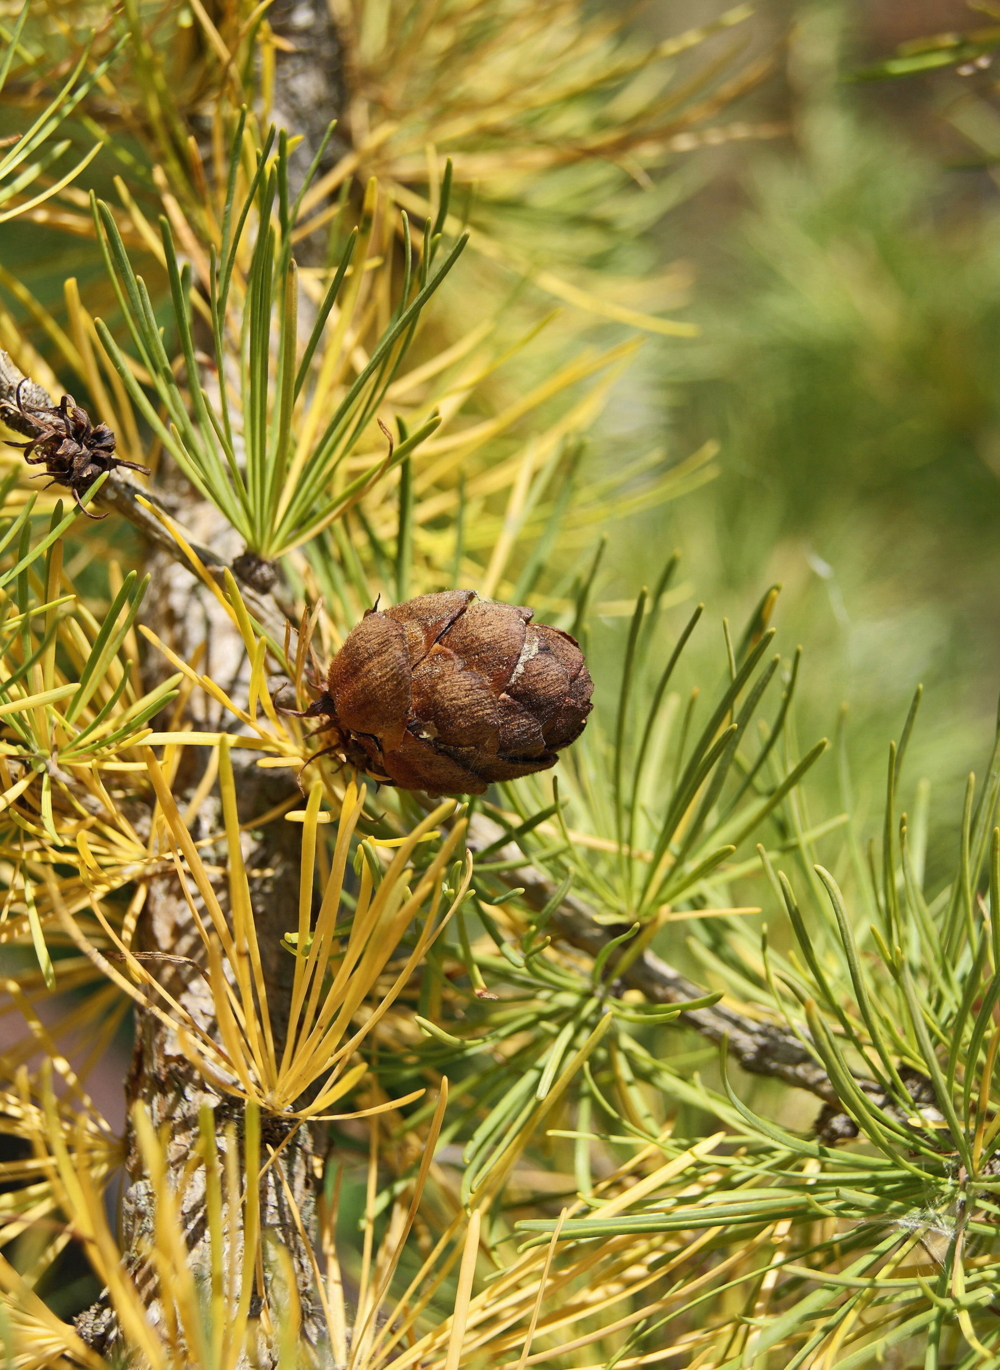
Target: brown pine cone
<point x="447" y="693"/>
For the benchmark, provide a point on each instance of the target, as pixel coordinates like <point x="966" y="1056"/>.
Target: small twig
<point x="760" y="1048"/>
<point x="120" y="495"/>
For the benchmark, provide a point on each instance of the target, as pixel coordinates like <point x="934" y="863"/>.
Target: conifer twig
<point x="121" y="496"/>
<point x="760" y="1048"/>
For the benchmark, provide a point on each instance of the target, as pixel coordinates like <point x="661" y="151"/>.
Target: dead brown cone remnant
<point x="448" y="693"/>
<point x="74" y="450"/>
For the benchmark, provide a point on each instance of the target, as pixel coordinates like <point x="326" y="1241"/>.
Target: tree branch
<point x="761" y="1048"/>
<point x="119" y="495"/>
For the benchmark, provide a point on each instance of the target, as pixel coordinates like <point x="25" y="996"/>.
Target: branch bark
<point x="761" y="1048"/>
<point x="308" y="92"/>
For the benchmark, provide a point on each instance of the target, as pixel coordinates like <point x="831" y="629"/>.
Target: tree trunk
<point x="308" y="94"/>
<point x="161" y="1079"/>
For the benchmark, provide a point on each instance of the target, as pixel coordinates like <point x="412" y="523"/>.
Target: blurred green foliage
<point x="848" y="289"/>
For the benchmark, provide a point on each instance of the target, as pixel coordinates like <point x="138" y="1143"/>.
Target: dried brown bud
<point x="73" y="450"/>
<point x="447" y="693"/>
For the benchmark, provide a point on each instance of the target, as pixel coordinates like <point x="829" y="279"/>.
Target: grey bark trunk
<point x="161" y="1078"/>
<point x="309" y="93"/>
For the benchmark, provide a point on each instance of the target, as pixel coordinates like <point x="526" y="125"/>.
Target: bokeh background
<point x="845" y="272"/>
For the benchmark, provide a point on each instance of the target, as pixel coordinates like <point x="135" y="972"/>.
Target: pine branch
<point x="120" y="495"/>
<point x="760" y="1048"/>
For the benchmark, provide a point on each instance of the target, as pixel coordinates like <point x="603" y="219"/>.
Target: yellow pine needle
<point x="427" y="936"/>
<point x="186" y="847"/>
<point x="591" y="1307"/>
<point x="503" y="1304"/>
<point x="315" y="1047"/>
<point x="51" y="591"/>
<point x="548" y="280"/>
<point x="179" y="1023"/>
<point x="258" y="690"/>
<point x="497" y="476"/>
<point x="44" y="374"/>
<point x="326" y="920"/>
<point x="306" y="879"/>
<point x="584" y="1288"/>
<point x="391" y="1264"/>
<point x="463" y="1294"/>
<point x="86" y="1210"/>
<point x="251" y="1223"/>
<point x="216" y="1229"/>
<point x="27" y="205"/>
<point x="234" y="1203"/>
<point x="542" y="1285"/>
<point x="38" y="936"/>
<point x="289" y="1313"/>
<point x="359" y="972"/>
<point x="366" y="913"/>
<point x="371" y="1193"/>
<point x="244" y="926"/>
<point x="35" y="701"/>
<point x="192" y="737"/>
<point x="215" y="40"/>
<point x="418" y="375"/>
<point x="333" y="1282"/>
<point x="231" y="1026"/>
<point x="467" y="441"/>
<point x="37" y="1326"/>
<point x="15" y="791"/>
<point x="205" y="784"/>
<point x="53" y="1058"/>
<point x="169" y="1252"/>
<point x="363" y="1321"/>
<point x="431" y="1276"/>
<point x="343" y="1086"/>
<point x="511" y="524"/>
<point x="197" y="564"/>
<point x="240" y="610"/>
<point x="206" y="682"/>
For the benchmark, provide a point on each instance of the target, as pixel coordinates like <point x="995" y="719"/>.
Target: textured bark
<point x="309" y="90"/>
<point x="162" y="1079"/>
<point x="308" y="94"/>
<point x="184" y="614"/>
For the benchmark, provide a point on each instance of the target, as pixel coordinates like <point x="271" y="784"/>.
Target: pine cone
<point x="447" y="693"/>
